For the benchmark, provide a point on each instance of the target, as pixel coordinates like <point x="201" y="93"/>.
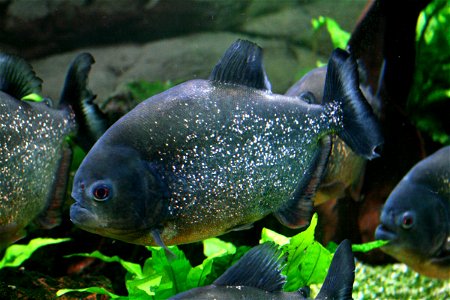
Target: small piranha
<point x="416" y="217"/>
<point x="34" y="155"/>
<point x="210" y="156"/>
<point x="257" y="275"/>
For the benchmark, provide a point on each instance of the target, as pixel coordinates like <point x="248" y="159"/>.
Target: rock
<point x="293" y="22"/>
<point x="176" y="59"/>
<point x="36" y="28"/>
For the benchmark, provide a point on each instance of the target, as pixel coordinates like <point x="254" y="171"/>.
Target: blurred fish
<point x="209" y="156"/>
<point x="416" y="217"/>
<point x="257" y="275"/>
<point x="34" y="155"/>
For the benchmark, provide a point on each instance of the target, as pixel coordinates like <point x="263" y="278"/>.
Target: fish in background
<point x="416" y="217"/>
<point x="210" y="156"/>
<point x="34" y="154"/>
<point x="383" y="44"/>
<point x="345" y="169"/>
<point x="257" y="275"/>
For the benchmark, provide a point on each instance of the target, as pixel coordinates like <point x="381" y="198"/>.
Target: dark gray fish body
<point x="34" y="155"/>
<point x="257" y="275"/>
<point x="416" y="217"/>
<point x="206" y="157"/>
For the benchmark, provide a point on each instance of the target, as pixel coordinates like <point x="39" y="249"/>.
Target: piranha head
<point x="118" y="195"/>
<point x="414" y="221"/>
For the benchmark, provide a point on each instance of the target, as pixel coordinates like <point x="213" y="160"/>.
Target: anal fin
<point x="51" y="216"/>
<point x="298" y="211"/>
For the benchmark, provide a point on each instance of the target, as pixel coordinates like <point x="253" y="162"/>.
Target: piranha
<point x="34" y="155"/>
<point x="210" y="156"/>
<point x="416" y="217"/>
<point x="257" y="275"/>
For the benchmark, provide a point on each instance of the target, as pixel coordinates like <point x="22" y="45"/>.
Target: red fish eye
<point x="407" y="221"/>
<point x="101" y="192"/>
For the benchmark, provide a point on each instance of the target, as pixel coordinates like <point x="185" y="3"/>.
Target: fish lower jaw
<point x="385" y="233"/>
<point x="88" y="221"/>
<point x="83" y="217"/>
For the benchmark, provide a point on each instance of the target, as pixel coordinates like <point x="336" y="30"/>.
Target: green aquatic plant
<point x="141" y="89"/>
<point x="33" y="97"/>
<point x="429" y="98"/>
<point x="339" y="37"/>
<point x="307" y="260"/>
<point x="161" y="277"/>
<point x="16" y="254"/>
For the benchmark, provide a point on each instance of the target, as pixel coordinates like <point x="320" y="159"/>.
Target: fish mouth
<point x="383" y="232"/>
<point x="89" y="221"/>
<point x="83" y="217"/>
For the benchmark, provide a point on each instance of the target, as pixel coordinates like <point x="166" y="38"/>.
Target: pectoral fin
<point x="158" y="241"/>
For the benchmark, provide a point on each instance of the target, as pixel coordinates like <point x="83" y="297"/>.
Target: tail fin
<point x="361" y="128"/>
<point x="339" y="281"/>
<point x="92" y="122"/>
<point x="17" y="77"/>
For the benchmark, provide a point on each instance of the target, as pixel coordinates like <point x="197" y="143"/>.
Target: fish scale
<point x="262" y="157"/>
<point x="30" y="148"/>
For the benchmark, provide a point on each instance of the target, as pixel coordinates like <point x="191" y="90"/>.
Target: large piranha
<point x="210" y="156"/>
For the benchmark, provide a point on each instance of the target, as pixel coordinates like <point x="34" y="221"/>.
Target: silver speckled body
<point x="229" y="155"/>
<point x="31" y="140"/>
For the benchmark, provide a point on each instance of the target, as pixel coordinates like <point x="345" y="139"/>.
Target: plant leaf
<point x="217" y="247"/>
<point x="339" y="37"/>
<point x="268" y="235"/>
<point x="133" y="268"/>
<point x="32" y="97"/>
<point x="307" y="261"/>
<point x="366" y="247"/>
<point x="16" y="254"/>
<point x="94" y="289"/>
<point x="174" y="272"/>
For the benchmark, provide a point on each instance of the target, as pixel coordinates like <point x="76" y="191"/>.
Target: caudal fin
<point x="339" y="281"/>
<point x="361" y="130"/>
<point x="92" y="122"/>
<point x="17" y="77"/>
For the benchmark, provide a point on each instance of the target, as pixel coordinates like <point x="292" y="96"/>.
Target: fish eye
<point x="408" y="220"/>
<point x="101" y="192"/>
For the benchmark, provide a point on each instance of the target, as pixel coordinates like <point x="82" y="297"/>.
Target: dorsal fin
<point x="242" y="64"/>
<point x="17" y="77"/>
<point x="259" y="268"/>
<point x="339" y="281"/>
